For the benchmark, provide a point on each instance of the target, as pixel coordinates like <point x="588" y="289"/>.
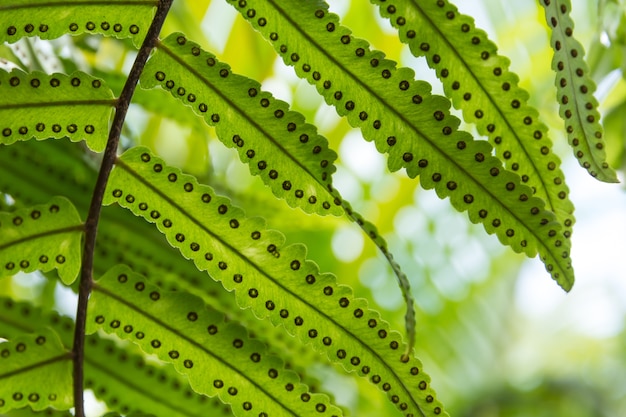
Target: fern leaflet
<point x="35" y="370"/>
<point x="577" y="106"/>
<point x="42" y="237"/>
<point x="42" y="106"/>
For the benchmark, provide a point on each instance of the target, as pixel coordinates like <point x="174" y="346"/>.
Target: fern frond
<point x="35" y="371"/>
<point x="276" y="282"/>
<point x="405" y="120"/>
<point x="577" y="105"/>
<point x="287" y="153"/>
<point x="403" y="282"/>
<point x="50" y="19"/>
<point x="117" y="375"/>
<point x="219" y="358"/>
<point x="478" y="81"/>
<point x="278" y="137"/>
<point x="43" y="237"/>
<point x="42" y="106"/>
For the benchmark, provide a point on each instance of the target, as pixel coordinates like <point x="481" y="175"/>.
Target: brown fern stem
<point x="91" y="224"/>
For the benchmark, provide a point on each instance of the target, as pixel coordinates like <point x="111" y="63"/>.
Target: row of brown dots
<point x="358" y="313"/>
<point x="25" y="264"/>
<point x="70" y="129"/>
<point x="154" y="296"/>
<point x="238" y="141"/>
<point x="43" y="259"/>
<point x="21" y="348"/>
<point x="583" y="90"/>
<point x="152" y="266"/>
<point x="29" y="28"/>
<point x="54" y="82"/>
<point x="105" y="26"/>
<point x="141" y="366"/>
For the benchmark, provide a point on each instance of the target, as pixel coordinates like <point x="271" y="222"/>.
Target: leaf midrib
<point x="35" y="236"/>
<point x="568" y="40"/>
<point x="36" y="365"/>
<point x="319" y="312"/>
<point x="357" y="80"/>
<point x="52" y="103"/>
<point x="183" y="336"/>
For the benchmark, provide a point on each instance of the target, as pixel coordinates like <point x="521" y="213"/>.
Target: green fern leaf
<point x="577" y="106"/>
<point x="478" y="82"/>
<point x="218" y="358"/>
<point x="117" y="375"/>
<point x="405" y="120"/>
<point x="42" y="106"/>
<point x="35" y="371"/>
<point x="42" y="237"/>
<point x="276" y="143"/>
<point x="276" y="282"/>
<point x="52" y="19"/>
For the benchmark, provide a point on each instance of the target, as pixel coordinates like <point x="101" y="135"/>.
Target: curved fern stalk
<point x="577" y="106"/>
<point x="405" y="120"/>
<point x="42" y="237"/>
<point x="42" y="106"/>
<point x="118" y="376"/>
<point x="35" y="371"/>
<point x="478" y="81"/>
<point x="403" y="282"/>
<point x="276" y="282"/>
<point x="50" y="19"/>
<point x="219" y="358"/>
<point x="276" y="143"/>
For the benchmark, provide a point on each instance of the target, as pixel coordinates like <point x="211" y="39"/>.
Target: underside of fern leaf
<point x="275" y="281"/>
<point x="413" y="126"/>
<point x="42" y="237"/>
<point x="35" y="371"/>
<point x="49" y="19"/>
<point x="219" y="358"/>
<point x="42" y="106"/>
<point x="577" y="105"/>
